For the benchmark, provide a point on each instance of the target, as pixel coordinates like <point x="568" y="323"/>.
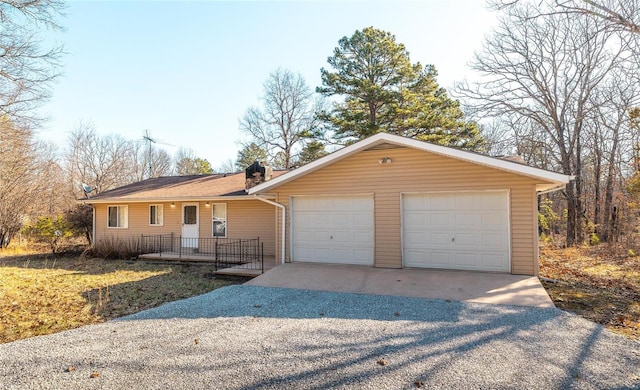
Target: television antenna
<point x="150" y="141"/>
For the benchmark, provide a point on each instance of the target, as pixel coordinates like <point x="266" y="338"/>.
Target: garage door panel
<point x="493" y="220"/>
<point x="492" y="240"/>
<point x="304" y="205"/>
<point x="468" y="218"/>
<point x="467" y="202"/>
<point x="418" y="240"/>
<point x="414" y="203"/>
<point x="414" y="239"/>
<point x="306" y="236"/>
<point x="439" y="219"/>
<point x="491" y="202"/>
<point x="415" y="218"/>
<point x="361" y="256"/>
<point x="494" y="261"/>
<point x="361" y="238"/>
<point x="362" y="220"/>
<point x="456" y="230"/>
<point x="340" y="220"/>
<point x="339" y="238"/>
<point x="467" y="241"/>
<point x="441" y="259"/>
<point x="439" y="202"/>
<point x="321" y="253"/>
<point x="465" y="259"/>
<point x="341" y="228"/>
<point x="303" y="218"/>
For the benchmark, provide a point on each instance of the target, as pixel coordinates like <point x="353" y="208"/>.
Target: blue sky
<point x="187" y="71"/>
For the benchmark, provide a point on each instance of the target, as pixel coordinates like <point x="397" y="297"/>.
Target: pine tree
<point x="384" y="92"/>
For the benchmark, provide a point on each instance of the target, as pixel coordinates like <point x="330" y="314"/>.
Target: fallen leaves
<point x="600" y="286"/>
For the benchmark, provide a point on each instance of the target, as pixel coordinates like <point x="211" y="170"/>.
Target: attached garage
<point x="427" y="206"/>
<point x="332" y="229"/>
<point x="466" y="230"/>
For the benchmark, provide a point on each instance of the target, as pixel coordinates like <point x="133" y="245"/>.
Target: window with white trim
<point x="118" y="216"/>
<point x="219" y="212"/>
<point x="155" y="215"/>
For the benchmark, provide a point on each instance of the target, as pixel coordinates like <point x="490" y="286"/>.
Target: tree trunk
<point x="571" y="213"/>
<point x="597" y="172"/>
<point x="609" y="217"/>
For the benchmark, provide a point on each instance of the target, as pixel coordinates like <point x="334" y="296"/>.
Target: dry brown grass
<point x="599" y="283"/>
<point x="44" y="294"/>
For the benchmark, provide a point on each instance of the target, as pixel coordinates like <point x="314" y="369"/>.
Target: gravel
<point x="246" y="337"/>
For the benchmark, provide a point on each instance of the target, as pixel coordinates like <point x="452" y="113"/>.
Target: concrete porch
<point x="239" y="268"/>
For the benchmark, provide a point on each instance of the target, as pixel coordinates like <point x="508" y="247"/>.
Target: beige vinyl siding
<point x="138" y="220"/>
<point x="418" y="171"/>
<point x="245" y="219"/>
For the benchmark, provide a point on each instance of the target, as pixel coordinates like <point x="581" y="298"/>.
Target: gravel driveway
<point x="245" y="337"/>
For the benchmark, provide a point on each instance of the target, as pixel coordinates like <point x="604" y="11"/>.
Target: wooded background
<point x="558" y="86"/>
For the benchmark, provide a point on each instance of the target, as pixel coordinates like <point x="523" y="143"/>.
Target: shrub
<point x="117" y="248"/>
<point x="80" y="221"/>
<point x="50" y="230"/>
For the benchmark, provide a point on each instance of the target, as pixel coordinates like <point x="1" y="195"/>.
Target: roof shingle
<point x="179" y="187"/>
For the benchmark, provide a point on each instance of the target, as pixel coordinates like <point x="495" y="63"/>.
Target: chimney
<point x="257" y="173"/>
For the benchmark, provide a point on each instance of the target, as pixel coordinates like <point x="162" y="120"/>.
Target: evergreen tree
<point x="249" y="154"/>
<point x="384" y="92"/>
<point x="312" y="151"/>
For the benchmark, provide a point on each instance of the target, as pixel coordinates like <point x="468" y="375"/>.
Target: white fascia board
<point x="492" y="162"/>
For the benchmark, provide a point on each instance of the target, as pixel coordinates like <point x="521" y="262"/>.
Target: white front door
<point x="190" y="225"/>
<point x="457" y="230"/>
<point x="333" y="229"/>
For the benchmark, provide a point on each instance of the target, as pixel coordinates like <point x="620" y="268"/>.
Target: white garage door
<point x="457" y="230"/>
<point x="332" y="229"/>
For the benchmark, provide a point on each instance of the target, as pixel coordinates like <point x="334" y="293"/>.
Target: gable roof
<point x="548" y="180"/>
<point x="177" y="188"/>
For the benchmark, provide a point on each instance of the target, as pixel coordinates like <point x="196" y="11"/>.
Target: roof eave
<point x="169" y="199"/>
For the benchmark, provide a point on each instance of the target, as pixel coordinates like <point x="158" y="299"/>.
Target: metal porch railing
<point x="241" y="253"/>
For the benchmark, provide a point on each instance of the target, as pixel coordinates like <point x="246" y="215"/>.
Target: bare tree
<point x="286" y="117"/>
<point x="540" y="73"/>
<point x="103" y="162"/>
<point x="609" y="137"/>
<point x="617" y="14"/>
<point x="25" y="175"/>
<point x="228" y="166"/>
<point x="150" y="161"/>
<point x="187" y="163"/>
<point x="26" y="68"/>
<point x="498" y="138"/>
<point x="54" y="197"/>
